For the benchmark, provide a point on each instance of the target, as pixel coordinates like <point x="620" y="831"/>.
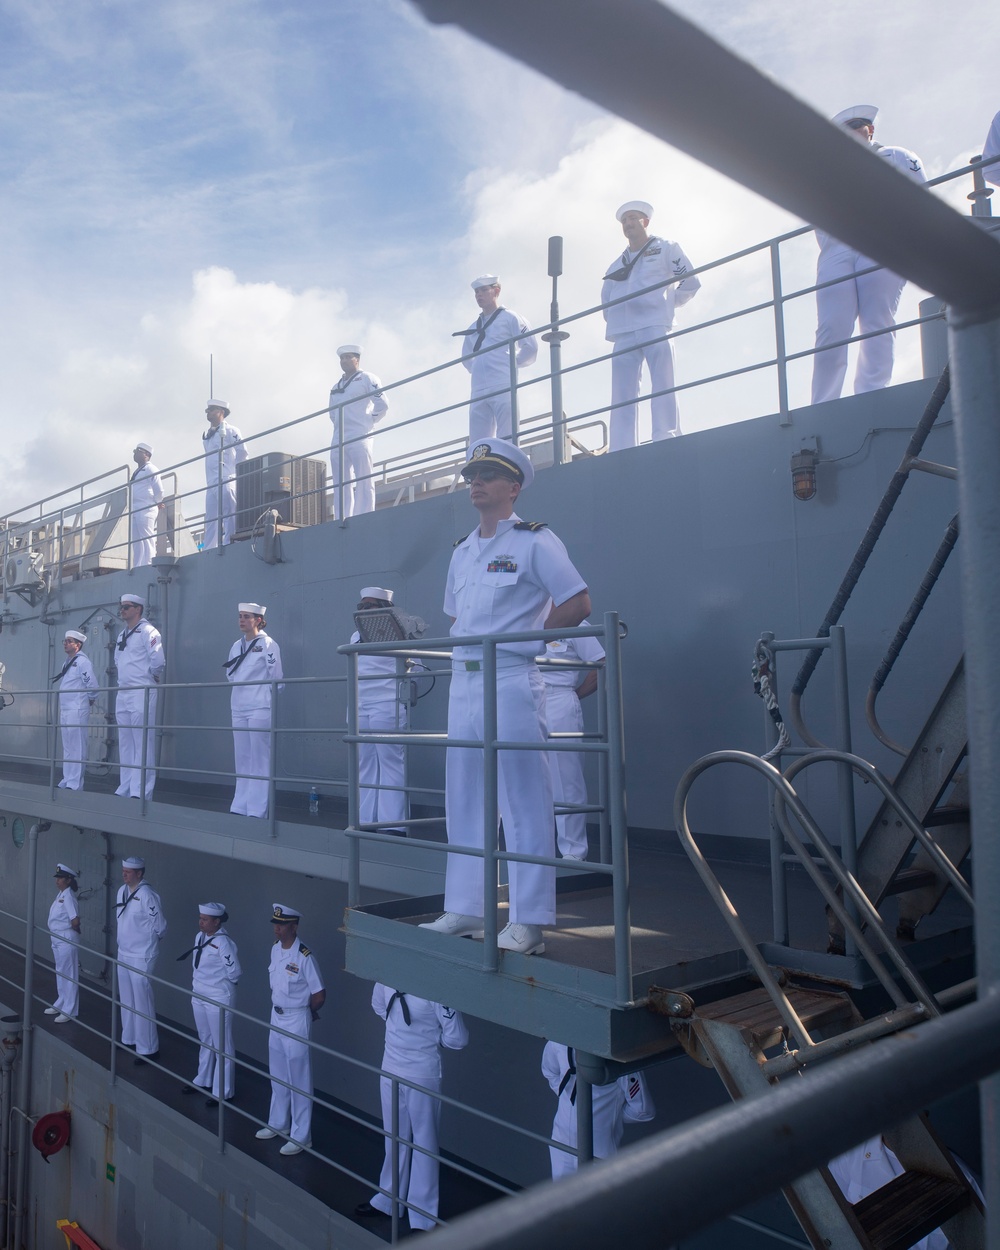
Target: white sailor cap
<point x="505" y="456"/>
<point x="75" y="635"/>
<point x="129" y="598"/>
<point x="856" y="113"/>
<point x="257" y="609"/>
<point x="144" y="447"/>
<point x="211" y="909"/>
<point x="635" y="206"/>
<point x="134" y="861"/>
<point x="217" y="403"/>
<point x="486" y="279"/>
<point x="376" y="592"/>
<point x="64" y="870"/>
<point x="280" y="914"/>
<point x="349" y="349"/>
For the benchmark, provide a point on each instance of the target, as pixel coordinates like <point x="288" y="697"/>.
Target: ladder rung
<point x="755" y="1013"/>
<point x="908" y="1208"/>
<point x="911" y="879"/>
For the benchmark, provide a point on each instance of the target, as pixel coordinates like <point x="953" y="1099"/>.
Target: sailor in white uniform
<point x="139" y="661"/>
<point x="215" y="970"/>
<point x="145" y="500"/>
<point x="870" y="300"/>
<point x="486" y="355"/>
<point x="356" y="406"/>
<point x="64" y="929"/>
<point x="224" y="450"/>
<point x="625" y="1100"/>
<point x="141" y="925"/>
<point x="254" y="657"/>
<point x="509" y="575"/>
<point x="415" y="1031"/>
<point x="647" y="261"/>
<point x="297" y="994"/>
<point x="77" y="695"/>
<point x="992" y="148"/>
<point x="564" y="688"/>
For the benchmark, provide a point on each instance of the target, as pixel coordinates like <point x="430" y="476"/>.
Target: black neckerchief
<point x="570" y="1072"/>
<point x="196" y="950"/>
<point x="65" y="668"/>
<point x="345" y="382"/>
<point x="232" y="665"/>
<point x="620" y="275"/>
<point x="479" y="329"/>
<point x="123" y="905"/>
<point x="126" y="634"/>
<point x="402" y="1002"/>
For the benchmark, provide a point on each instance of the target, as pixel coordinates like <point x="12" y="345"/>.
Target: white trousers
<point x="524" y="790"/>
<point x="381" y="766"/>
<point x="871" y="301"/>
<point x="206" y="1021"/>
<point x="565" y="715"/>
<point x="128" y="714"/>
<point x="359" y="485"/>
<point x="609" y="1126"/>
<point x="74" y="718"/>
<point x="625" y="371"/>
<point x="136" y="994"/>
<point x="419" y="1115"/>
<point x="227" y="491"/>
<point x="67" y="961"/>
<point x="252" y="750"/>
<point x="490" y="418"/>
<point x="290" y="1060"/>
<point x="142" y="532"/>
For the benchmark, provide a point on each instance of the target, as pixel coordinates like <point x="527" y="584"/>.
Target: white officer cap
<point x="133" y="599"/>
<point x="218" y="403"/>
<point x="856" y="113"/>
<point x="376" y="592"/>
<point x="280" y="914"/>
<point x="486" y="279"/>
<point x="257" y="609"/>
<point x="635" y="206"/>
<point x="211" y="909"/>
<point x="503" y="454"/>
<point x="134" y="861"/>
<point x="64" y="870"/>
<point x="349" y="349"/>
<point x="144" y="447"/>
<point x="75" y="635"/>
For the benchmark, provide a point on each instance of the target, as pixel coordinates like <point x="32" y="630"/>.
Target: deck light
<point x="804" y="473"/>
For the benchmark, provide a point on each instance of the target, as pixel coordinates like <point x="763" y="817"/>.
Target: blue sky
<point x="263" y="181"/>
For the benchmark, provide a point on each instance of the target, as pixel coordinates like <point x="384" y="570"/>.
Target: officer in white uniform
<point x="140" y="661"/>
<point x="224" y="450"/>
<point x="254" y="657"/>
<point x="870" y="300"/>
<point x="356" y="406"/>
<point x="992" y="148"/>
<point x="145" y="500"/>
<point x="141" y="925"/>
<point x="564" y="688"/>
<point x="297" y="994"/>
<point x="415" y="1031"/>
<point x="215" y="970"/>
<point x="647" y="261"/>
<point x="625" y="1100"/>
<point x="486" y="355"/>
<point x="508" y="576"/>
<point x="77" y="695"/>
<point x="64" y="928"/>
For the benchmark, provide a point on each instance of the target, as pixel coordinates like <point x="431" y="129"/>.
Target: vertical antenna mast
<point x="211" y="383"/>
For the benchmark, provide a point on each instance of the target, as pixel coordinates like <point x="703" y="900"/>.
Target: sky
<point x="257" y="183"/>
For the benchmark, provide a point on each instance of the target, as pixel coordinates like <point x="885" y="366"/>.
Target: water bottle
<point x="313" y="802"/>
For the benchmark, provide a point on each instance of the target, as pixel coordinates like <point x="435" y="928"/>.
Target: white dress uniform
<point x="490" y="415"/>
<point x="77" y="695"/>
<point x="140" y="661"/>
<point x="870" y="300"/>
<point x="381" y="709"/>
<point x="65" y="939"/>
<point x="565" y="715"/>
<point x="251" y="713"/>
<point x="499" y="585"/>
<point x="415" y="1031"/>
<point x="363" y="406"/>
<point x="145" y="494"/>
<point x="224" y="450"/>
<point x="141" y="925"/>
<point x="215" y="970"/>
<point x="992" y="148"/>
<point x="294" y="977"/>
<point x="638" y="320"/>
<point x="627" y="1099"/>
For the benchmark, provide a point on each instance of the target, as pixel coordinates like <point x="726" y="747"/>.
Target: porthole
<point x="17" y="832"/>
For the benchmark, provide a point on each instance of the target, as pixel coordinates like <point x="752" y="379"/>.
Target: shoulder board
<point x="304" y="950"/>
<point x="533" y="526"/>
<point x="458" y="541"/>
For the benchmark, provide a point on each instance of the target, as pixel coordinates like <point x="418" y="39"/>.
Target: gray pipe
<point x="24" y="1085"/>
<point x="8" y="1057"/>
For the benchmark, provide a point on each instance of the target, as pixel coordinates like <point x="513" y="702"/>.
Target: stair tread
<point x="908" y="1208"/>
<point x="754" y="1011"/>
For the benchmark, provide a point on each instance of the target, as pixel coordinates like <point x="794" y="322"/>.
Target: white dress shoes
<point x="525" y="939"/>
<point x="456" y="925"/>
<point x="265" y="1134"/>
<point x="51" y="1011"/>
<point x="62" y="1018"/>
<point x="294" y="1147"/>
